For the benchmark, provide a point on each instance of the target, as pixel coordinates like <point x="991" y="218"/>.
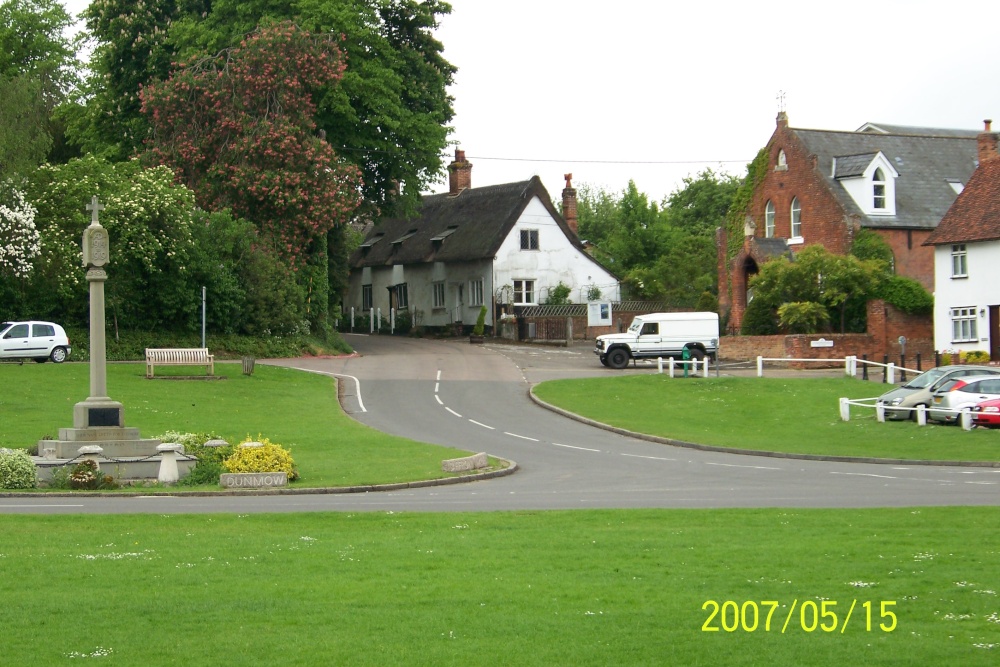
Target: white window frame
<point x="438" y="295"/>
<point x="964" y="325"/>
<point x="524" y="292"/>
<point x="769" y="219"/>
<point x="529" y="238"/>
<point x="880" y="191"/>
<point x="959" y="261"/>
<point x="796" y="211"/>
<point x="402" y="297"/>
<point x="476" y="294"/>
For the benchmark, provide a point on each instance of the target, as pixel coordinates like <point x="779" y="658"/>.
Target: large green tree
<point x="389" y="115"/>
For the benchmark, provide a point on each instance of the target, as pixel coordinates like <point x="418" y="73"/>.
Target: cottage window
<point x="878" y="189"/>
<point x="524" y="292"/>
<point x="959" y="261"/>
<point x="402" y="297"/>
<point x="963" y="325"/>
<point x="366" y="297"/>
<point x="529" y="239"/>
<point x="769" y="219"/>
<point x="476" y="292"/>
<point x="796" y="218"/>
<point x="438" y="292"/>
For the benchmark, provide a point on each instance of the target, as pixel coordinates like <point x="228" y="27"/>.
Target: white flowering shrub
<point x="17" y="470"/>
<point x="20" y="241"/>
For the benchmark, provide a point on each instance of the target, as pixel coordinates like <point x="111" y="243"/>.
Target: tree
<point x="389" y="114"/>
<point x="25" y="140"/>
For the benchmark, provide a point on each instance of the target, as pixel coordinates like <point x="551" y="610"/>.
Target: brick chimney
<point x="569" y="204"/>
<point x="459" y="174"/>
<point x="987" y="143"/>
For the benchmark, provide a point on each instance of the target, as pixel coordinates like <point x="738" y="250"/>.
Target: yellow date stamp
<point x="806" y="616"/>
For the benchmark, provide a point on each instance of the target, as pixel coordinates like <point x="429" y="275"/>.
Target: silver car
<point x="919" y="390"/>
<point x="961" y="393"/>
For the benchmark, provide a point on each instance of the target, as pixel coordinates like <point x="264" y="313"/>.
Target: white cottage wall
<point x="977" y="291"/>
<point x="556" y="260"/>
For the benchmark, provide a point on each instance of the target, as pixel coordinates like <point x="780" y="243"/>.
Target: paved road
<point x="475" y="397"/>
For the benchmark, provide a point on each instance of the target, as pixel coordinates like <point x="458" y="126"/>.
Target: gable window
<point x="769" y="219"/>
<point x="878" y="190"/>
<point x="782" y="161"/>
<point x="796" y="218"/>
<point x="366" y="297"/>
<point x="529" y="239"/>
<point x="959" y="261"/>
<point x="963" y="325"/>
<point x="437" y="290"/>
<point x="524" y="292"/>
<point x="476" y="292"/>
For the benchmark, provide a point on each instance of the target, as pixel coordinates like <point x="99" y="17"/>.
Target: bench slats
<point x="178" y="357"/>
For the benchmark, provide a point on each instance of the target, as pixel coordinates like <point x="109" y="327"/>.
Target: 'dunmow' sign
<point x="253" y="480"/>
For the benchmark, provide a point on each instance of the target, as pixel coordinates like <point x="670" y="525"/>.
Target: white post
<point x="845" y="409"/>
<point x="671" y="361"/>
<point x="760" y="367"/>
<point x="352" y="319"/>
<point x="168" y="473"/>
<point x="371" y="319"/>
<point x="659" y="365"/>
<point x="965" y="417"/>
<point x="921" y="415"/>
<point x="890" y="373"/>
<point x="847" y="365"/>
<point x="706" y="367"/>
<point x="203" y="316"/>
<point x="880" y="413"/>
<point x="378" y="320"/>
<point x="392" y="321"/>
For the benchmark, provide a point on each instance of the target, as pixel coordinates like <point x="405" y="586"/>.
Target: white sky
<point x="550" y="87"/>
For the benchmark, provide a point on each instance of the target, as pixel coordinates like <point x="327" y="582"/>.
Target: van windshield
<point x="635" y="326"/>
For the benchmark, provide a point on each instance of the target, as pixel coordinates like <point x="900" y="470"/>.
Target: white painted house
<point x="967" y="261"/>
<point x="495" y="246"/>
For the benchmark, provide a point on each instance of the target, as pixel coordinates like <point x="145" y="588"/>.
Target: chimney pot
<point x="987" y="141"/>
<point x="459" y="173"/>
<point x="569" y="204"/>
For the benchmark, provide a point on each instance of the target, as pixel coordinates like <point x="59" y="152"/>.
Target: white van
<point x="678" y="335"/>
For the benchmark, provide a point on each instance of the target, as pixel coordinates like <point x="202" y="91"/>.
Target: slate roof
<point x="454" y="228"/>
<point x="853" y="165"/>
<point x="888" y="128"/>
<point x="925" y="163"/>
<point x="975" y="215"/>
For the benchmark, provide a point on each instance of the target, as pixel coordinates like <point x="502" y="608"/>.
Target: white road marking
<point x="861" y="474"/>
<point x="438" y="399"/>
<point x="357" y="382"/>
<point x="733" y="465"/>
<point x="654" y="458"/>
<point x="586" y="449"/>
<point x="481" y="424"/>
<point x="438" y="375"/>
<point x="452" y="411"/>
<point x="436" y="386"/>
<point x="523" y="437"/>
<point x="986" y="483"/>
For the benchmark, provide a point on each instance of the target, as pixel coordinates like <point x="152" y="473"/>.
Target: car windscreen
<point x="926" y="379"/>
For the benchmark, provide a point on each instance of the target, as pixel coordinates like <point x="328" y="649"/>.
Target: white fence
<point x="964" y="415"/>
<point x="850" y="366"/>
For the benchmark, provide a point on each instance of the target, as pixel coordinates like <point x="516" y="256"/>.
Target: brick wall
<point x="912" y="258"/>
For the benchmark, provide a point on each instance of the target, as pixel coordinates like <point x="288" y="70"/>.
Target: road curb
<point x="752" y="452"/>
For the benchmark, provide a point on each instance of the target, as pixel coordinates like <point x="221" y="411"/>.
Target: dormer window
<point x="878" y="190"/>
<point x="769" y="219"/>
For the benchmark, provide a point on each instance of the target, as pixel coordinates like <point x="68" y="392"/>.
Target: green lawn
<point x="796" y="415"/>
<point x="295" y="409"/>
<point x="508" y="588"/>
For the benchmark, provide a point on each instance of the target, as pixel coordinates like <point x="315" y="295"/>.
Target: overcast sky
<point x="655" y="90"/>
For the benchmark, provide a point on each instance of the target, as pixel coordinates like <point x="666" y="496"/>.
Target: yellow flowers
<point x="261" y="455"/>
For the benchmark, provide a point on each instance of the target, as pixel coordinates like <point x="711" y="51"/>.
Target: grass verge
<point x="795" y="415"/>
<point x="599" y="587"/>
<point x="295" y="409"/>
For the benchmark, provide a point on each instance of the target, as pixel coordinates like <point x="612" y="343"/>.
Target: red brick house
<point x="821" y="186"/>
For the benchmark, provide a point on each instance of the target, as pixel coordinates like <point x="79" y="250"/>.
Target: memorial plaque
<point x="103" y="417"/>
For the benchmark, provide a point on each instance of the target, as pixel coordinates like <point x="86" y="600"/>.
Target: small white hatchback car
<point x="40" y="341"/>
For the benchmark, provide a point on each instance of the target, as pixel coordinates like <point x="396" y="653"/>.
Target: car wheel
<point x="618" y="359"/>
<point x="604" y="361"/>
<point x="58" y="355"/>
<point x="696" y="353"/>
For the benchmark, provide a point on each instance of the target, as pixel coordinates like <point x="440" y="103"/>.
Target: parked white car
<point x="960" y="394"/>
<point x="679" y="335"/>
<point x="40" y="341"/>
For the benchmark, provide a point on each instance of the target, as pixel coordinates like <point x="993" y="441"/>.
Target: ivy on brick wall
<point x="740" y="207"/>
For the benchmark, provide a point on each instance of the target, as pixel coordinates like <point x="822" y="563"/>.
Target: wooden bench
<point x="195" y="356"/>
